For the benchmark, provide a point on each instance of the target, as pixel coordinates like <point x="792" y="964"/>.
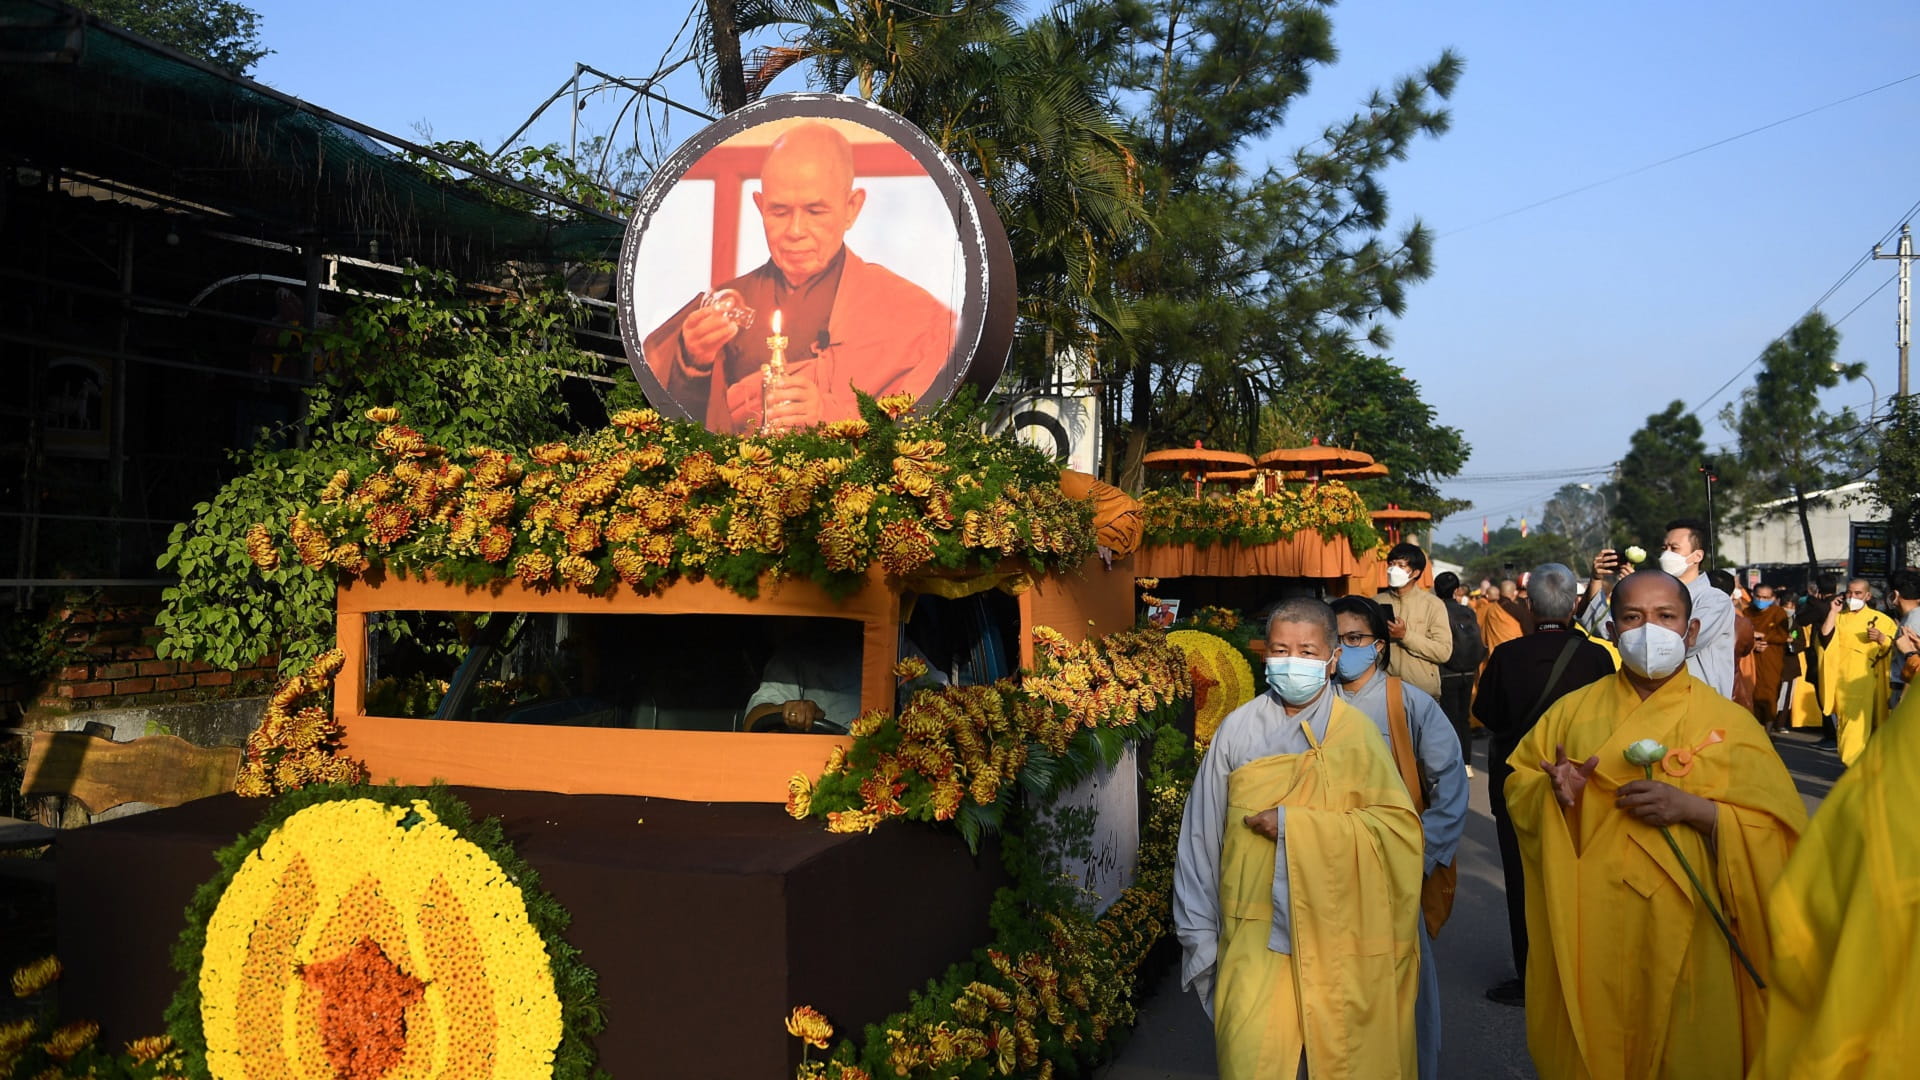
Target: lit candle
<point x="775" y="367"/>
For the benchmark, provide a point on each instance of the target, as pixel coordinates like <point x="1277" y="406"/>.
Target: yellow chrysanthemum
<point x="36" y="976"/>
<point x="396" y="883"/>
<point x="806" y="1024"/>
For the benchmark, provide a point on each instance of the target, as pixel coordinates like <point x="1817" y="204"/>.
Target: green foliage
<point x="471" y="371"/>
<point x="1507" y="554"/>
<point x="1896" y="483"/>
<point x="221" y="32"/>
<point x="1659" y="478"/>
<point x="544" y="167"/>
<point x="1367" y="402"/>
<point x="576" y="984"/>
<point x="1791" y="448"/>
<point x="1252" y="278"/>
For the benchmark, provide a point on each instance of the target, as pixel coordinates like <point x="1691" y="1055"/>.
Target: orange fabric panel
<point x="1118" y="520"/>
<point x="1304" y="555"/>
<point x="1370" y="576"/>
<point x="697" y="766"/>
<point x="1093" y="602"/>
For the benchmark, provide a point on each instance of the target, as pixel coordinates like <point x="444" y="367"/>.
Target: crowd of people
<point x="1672" y="910"/>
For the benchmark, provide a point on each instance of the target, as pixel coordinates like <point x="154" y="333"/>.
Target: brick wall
<point x="109" y="638"/>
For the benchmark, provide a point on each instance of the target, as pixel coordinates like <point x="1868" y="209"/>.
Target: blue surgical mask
<point x="1297" y="679"/>
<point x="1356" y="661"/>
<point x="1762" y="605"/>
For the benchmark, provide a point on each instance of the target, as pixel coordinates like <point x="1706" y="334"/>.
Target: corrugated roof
<point x="86" y="98"/>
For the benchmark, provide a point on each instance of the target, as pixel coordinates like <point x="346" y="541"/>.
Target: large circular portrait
<point x="805" y="247"/>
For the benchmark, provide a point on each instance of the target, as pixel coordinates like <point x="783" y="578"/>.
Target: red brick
<point x="198" y="666"/>
<point x="86" y="690"/>
<point x="116" y="671"/>
<point x="158" y="667"/>
<point x="132" y="686"/>
<point x="173" y="682"/>
<point x="116" y="637"/>
<point x="74" y="673"/>
<point x="215" y="678"/>
<point x="135" y="652"/>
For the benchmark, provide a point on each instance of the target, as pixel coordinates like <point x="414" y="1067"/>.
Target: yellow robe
<point x="1345" y="996"/>
<point x="1845" y="996"/>
<point x="1638" y="981"/>
<point x="1854" y="678"/>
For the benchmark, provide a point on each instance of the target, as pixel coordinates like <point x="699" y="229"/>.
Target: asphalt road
<point x="1174" y="1041"/>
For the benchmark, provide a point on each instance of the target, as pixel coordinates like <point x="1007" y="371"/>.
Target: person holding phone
<point x="1684" y="555"/>
<point x="1422" y="638"/>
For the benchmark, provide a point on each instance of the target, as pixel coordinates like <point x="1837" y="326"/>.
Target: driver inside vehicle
<point x="810" y="683"/>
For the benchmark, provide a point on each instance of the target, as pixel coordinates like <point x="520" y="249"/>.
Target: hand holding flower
<point x="1661" y="805"/>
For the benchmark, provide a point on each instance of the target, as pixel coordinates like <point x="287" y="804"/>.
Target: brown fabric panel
<point x="705" y="922"/>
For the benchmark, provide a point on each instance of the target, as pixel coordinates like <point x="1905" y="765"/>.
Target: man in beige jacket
<point x="1422" y="640"/>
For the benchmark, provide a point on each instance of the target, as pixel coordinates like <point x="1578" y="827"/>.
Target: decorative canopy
<point x="1316" y="458"/>
<point x="1198" y="462"/>
<point x="1394" y="516"/>
<point x="1365" y="472"/>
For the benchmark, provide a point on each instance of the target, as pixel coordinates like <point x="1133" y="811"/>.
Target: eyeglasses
<point x="1358" y="640"/>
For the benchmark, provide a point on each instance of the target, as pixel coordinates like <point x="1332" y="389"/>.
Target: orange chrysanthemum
<point x="534" y="568"/>
<point x="809" y="1026"/>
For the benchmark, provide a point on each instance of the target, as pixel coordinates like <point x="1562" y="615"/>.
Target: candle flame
<point x="776" y="320"/>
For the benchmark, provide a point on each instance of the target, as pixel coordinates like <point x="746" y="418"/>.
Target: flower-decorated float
<point x="836" y="722"/>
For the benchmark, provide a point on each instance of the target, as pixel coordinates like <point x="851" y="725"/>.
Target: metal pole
<point x="1903" y="317"/>
<point x="1713" y="544"/>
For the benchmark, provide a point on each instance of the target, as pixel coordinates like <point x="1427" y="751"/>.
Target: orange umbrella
<point x="1394" y="516"/>
<point x="1198" y="462"/>
<point x="1365" y="472"/>
<point x="1315" y="459"/>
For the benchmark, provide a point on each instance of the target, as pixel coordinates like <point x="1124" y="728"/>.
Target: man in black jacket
<point x="1459" y="670"/>
<point x="1523" y="677"/>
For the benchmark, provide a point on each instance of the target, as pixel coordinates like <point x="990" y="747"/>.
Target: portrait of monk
<point x="848" y="322"/>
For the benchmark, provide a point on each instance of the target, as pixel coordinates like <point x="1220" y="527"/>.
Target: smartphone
<point x="1387" y="610"/>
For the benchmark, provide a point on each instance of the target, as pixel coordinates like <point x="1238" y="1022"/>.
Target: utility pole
<point x="1903" y="325"/>
<point x="1711" y="475"/>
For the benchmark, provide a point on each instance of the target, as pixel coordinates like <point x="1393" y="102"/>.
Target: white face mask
<point x="1673" y="563"/>
<point x="1398" y="576"/>
<point x="1652" y="651"/>
<point x="1854" y="603"/>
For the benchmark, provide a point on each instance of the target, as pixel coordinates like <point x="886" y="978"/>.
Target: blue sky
<point x="1547" y="336"/>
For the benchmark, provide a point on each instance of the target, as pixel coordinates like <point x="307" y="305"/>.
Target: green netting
<point x="124" y="110"/>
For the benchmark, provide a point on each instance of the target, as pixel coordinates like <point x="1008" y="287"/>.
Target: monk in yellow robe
<point x="1772" y="629"/>
<point x="1844" y="1003"/>
<point x="1639" y="981"/>
<point x="1856" y="644"/>
<point x="1297" y="887"/>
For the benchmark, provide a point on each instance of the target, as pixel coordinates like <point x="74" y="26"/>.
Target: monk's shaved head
<point x="1305" y="609"/>
<point x="807" y="200"/>
<point x="1640" y="581"/>
<point x="812" y="147"/>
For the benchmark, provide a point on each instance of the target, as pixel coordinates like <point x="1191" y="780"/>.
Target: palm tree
<point x="1017" y="105"/>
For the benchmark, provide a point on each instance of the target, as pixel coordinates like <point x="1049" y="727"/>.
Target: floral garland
<point x="960" y="752"/>
<point x="1252" y="516"/>
<point x="298" y="740"/>
<point x="360" y="932"/>
<point x="1048" y="997"/>
<point x="1222" y="680"/>
<point x="649" y="500"/>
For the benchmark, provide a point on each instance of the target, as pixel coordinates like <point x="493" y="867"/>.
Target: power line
<point x="1684" y="154"/>
<point x="1695" y="408"/>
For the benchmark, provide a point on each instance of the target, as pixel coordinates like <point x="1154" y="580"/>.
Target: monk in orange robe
<point x="850" y="323"/>
<point x="1772" y="629"/>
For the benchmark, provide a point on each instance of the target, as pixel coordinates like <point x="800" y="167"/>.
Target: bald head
<point x="1648" y="588"/>
<point x="807" y="200"/>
